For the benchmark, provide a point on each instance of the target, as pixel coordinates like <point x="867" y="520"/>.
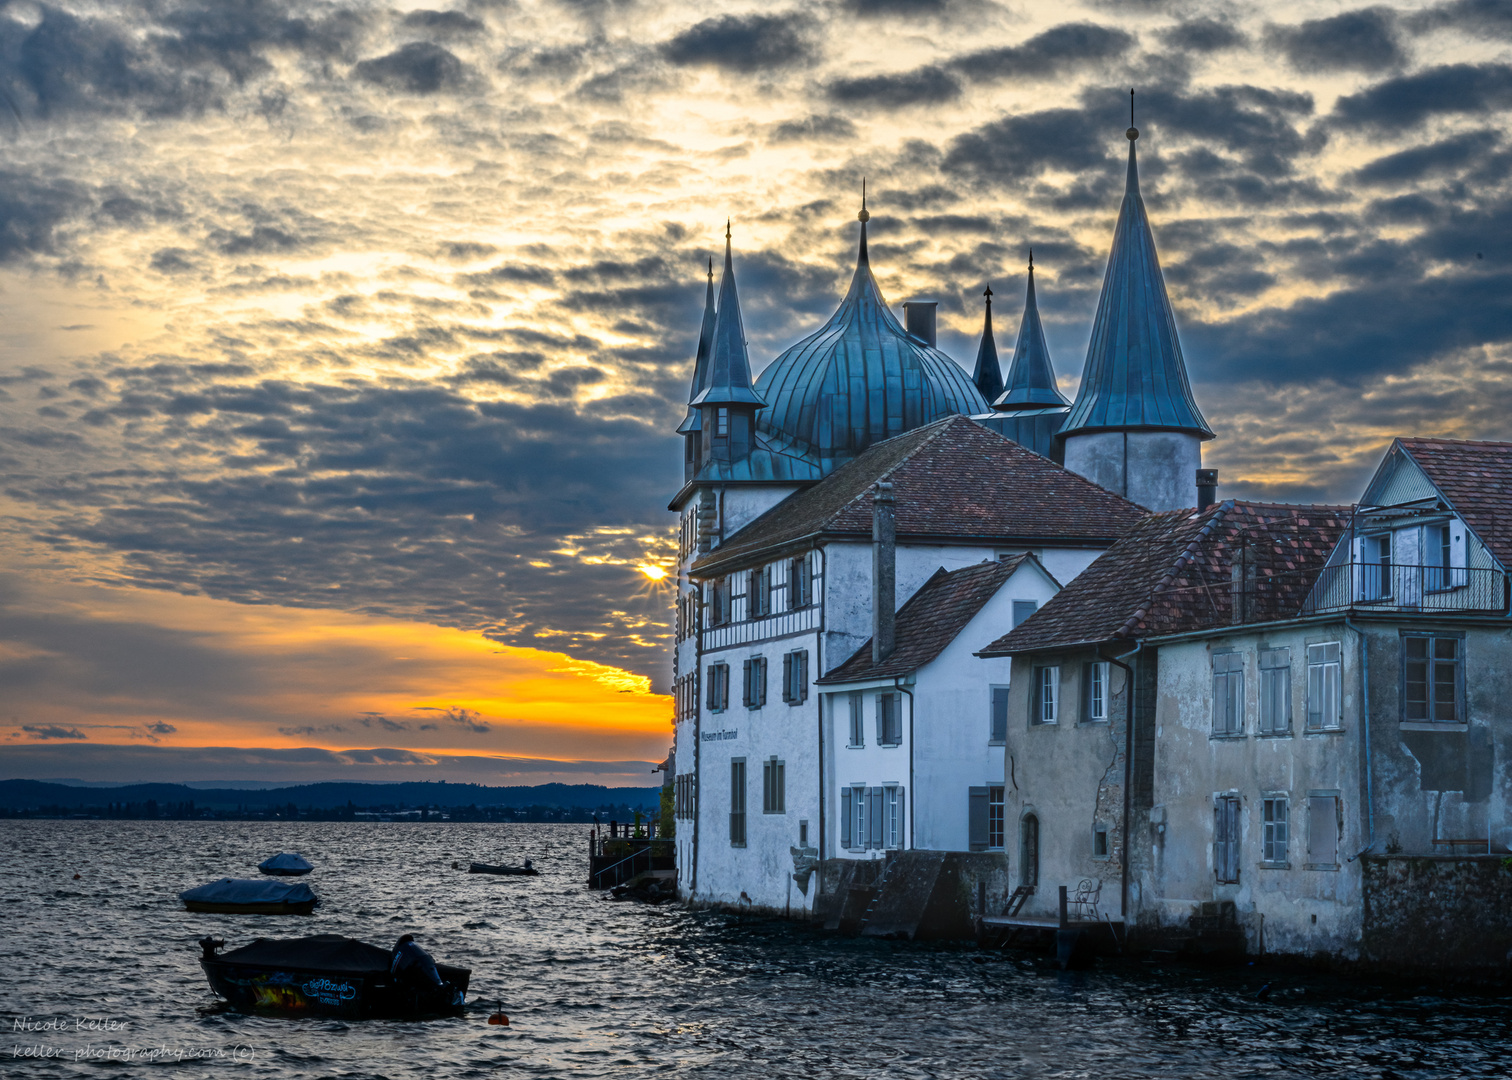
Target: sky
<point x="342" y="344"/>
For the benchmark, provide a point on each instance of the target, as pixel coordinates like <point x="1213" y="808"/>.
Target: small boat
<point x="251" y="896"/>
<point x="286" y="864"/>
<point x="519" y="871"/>
<point x="327" y="975"/>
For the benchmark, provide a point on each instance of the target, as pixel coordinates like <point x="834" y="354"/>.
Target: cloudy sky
<point x="341" y="343"/>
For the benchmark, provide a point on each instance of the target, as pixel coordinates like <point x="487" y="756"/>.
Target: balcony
<point x="1390" y="587"/>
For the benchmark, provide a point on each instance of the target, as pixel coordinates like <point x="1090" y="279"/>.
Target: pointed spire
<point x="691" y="422"/>
<point x="988" y="376"/>
<point x="729" y="381"/>
<point x="863" y="217"/>
<point x="1031" y="376"/>
<point x="1134" y="377"/>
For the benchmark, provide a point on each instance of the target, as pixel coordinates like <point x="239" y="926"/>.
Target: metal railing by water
<point x="1393" y="587"/>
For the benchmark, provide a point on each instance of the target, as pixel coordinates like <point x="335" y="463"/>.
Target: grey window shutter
<point x="976" y="818"/>
<point x="1000" y="714"/>
<point x="787" y="676"/>
<point x="745" y="694"/>
<point x="803" y="676"/>
<point x="782" y="787"/>
<point x="874" y="816"/>
<point x="881" y="701"/>
<point x="845" y="817"/>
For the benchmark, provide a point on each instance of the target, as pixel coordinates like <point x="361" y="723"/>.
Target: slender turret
<point x="690" y="428"/>
<point x="727" y="404"/>
<point x="987" y="375"/>
<point x="1031" y="377"/>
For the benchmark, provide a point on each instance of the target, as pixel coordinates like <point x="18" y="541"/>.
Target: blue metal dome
<point x="861" y="378"/>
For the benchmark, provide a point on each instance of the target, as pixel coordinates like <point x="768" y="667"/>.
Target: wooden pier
<point x="616" y="856"/>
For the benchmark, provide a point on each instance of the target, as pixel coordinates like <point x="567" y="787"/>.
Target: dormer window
<point x="721" y="423"/>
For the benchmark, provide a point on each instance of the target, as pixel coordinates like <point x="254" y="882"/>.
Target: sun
<point x="655" y="573"/>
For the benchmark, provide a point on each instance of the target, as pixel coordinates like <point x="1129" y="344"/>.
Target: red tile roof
<point x="1173" y="574"/>
<point x="953" y="480"/>
<point x="931" y="619"/>
<point x="1476" y="479"/>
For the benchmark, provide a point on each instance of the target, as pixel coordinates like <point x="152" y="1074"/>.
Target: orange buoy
<point x="499" y="1018"/>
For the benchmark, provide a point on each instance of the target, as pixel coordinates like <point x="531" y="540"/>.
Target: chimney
<point x="1207" y="488"/>
<point x="884" y="572"/>
<point x="919" y="319"/>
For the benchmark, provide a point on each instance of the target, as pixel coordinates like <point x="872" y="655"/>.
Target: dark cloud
<point x="815" y="126"/>
<point x="1434" y="159"/>
<point x="1488" y="18"/>
<point x="743" y="43"/>
<point x="1056" y="51"/>
<point x="52" y="731"/>
<point x="922" y="86"/>
<point x="32" y="209"/>
<point x="877" y="9"/>
<point x="161" y="728"/>
<point x="1017" y="147"/>
<point x="1408" y="100"/>
<point x="443" y="23"/>
<point x="466" y="719"/>
<point x="420" y="67"/>
<point x="1203" y="36"/>
<point x="1363" y="40"/>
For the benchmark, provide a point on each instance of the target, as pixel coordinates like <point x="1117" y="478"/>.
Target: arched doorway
<point x="1029" y="851"/>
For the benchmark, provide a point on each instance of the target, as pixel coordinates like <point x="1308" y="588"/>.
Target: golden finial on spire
<point x="863" y="216"/>
<point x="727" y="228"/>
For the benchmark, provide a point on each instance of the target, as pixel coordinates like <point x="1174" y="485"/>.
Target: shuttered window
<point x="976" y="818"/>
<point x="1228" y="693"/>
<point x="773" y="787"/>
<point x="1095" y="693"/>
<point x="994" y="817"/>
<point x="760" y="592"/>
<point x="874" y="817"/>
<point x="889" y="719"/>
<point x="795" y="677"/>
<point x="857" y="702"/>
<point x="997" y="729"/>
<point x="892" y="811"/>
<point x="738" y="802"/>
<point x="1046" y="696"/>
<point x="754" y="694"/>
<point x="1323" y="832"/>
<point x="800" y="584"/>
<point x="1275" y="691"/>
<point x="856" y="817"/>
<point x="1226" y="838"/>
<point x="847" y="819"/>
<point x="719" y="687"/>
<point x="1324" y="706"/>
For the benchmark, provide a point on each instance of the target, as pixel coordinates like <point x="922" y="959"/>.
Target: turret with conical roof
<point x="1031" y="377"/>
<point x="1135" y="427"/>
<point x="691" y="427"/>
<point x="727" y="404"/>
<point x="987" y="376"/>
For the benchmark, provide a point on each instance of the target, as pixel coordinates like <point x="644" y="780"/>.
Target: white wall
<point x="1156" y="469"/>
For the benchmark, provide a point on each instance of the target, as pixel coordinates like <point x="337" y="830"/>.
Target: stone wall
<point x="1438" y="913"/>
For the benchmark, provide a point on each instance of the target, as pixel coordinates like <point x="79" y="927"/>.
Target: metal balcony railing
<point x="1392" y="587"/>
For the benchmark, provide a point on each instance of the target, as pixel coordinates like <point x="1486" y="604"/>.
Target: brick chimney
<point x="884" y="572"/>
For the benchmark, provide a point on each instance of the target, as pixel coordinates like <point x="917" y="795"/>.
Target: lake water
<point x="598" y="988"/>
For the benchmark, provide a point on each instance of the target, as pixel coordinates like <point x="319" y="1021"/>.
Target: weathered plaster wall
<point x="1284" y="907"/>
<point x="1070" y="776"/>
<point x="1156" y="469"/>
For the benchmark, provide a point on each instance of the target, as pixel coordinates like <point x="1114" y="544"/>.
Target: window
<point x="719" y="602"/>
<point x="1431" y="678"/>
<point x="803" y="833"/>
<point x="889" y="719"/>
<point x="857" y="701"/>
<point x="800" y="584"/>
<point x="976" y="818"/>
<point x="1273" y="846"/>
<point x="994" y="817"/>
<point x="1444" y="557"/>
<point x="737" y="802"/>
<point x="1046" y="695"/>
<point x="1228" y="693"/>
<point x="760" y="592"/>
<point x="774" y="787"/>
<point x="1275" y="691"/>
<point x="719" y="687"/>
<point x="721" y="423"/>
<point x="892" y="817"/>
<point x="1325" y="708"/>
<point x="1375" y="567"/>
<point x="1099" y="841"/>
<point x="795" y="677"/>
<point x="1322" y="832"/>
<point x="1029" y="851"/>
<point x="682" y="800"/>
<point x="1226" y="838"/>
<point x="997" y="726"/>
<point x="754" y="692"/>
<point x="1095" y="692"/>
<point x="1022" y="609"/>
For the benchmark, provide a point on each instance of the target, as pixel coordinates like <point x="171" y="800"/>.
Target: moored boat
<point x="521" y="871"/>
<point x="286" y="864"/>
<point x="327" y="975"/>
<point x="251" y="896"/>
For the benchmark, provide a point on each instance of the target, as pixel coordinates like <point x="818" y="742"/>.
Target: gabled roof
<point x="953" y="480"/>
<point x="1031" y="377"/>
<point x="1172" y="574"/>
<point x="931" y="619"/>
<point x="1475" y="478"/>
<point x="729" y="381"/>
<point x="1135" y="377"/>
<point x="693" y="421"/>
<point x="987" y="376"/>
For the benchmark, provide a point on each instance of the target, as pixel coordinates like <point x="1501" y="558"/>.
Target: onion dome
<point x="861" y="377"/>
<point x="729" y="378"/>
<point x="1031" y="377"/>
<point x="701" y="360"/>
<point x="1134" y="378"/>
<point x="988" y="377"/>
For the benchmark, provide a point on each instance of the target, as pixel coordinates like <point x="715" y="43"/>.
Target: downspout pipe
<point x="1128" y="771"/>
<point x="1365" y="719"/>
<point x="909" y="794"/>
<point x="819" y="701"/>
